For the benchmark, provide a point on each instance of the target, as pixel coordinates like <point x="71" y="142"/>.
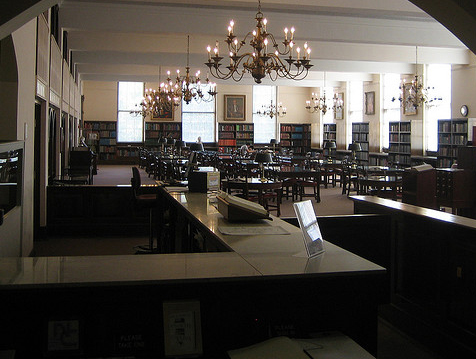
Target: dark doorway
<point x="51" y="144"/>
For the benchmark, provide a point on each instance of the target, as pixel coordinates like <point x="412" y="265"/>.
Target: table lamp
<point x="355" y="147"/>
<point x="329" y="146"/>
<point x="262" y="158"/>
<point x="273" y="142"/>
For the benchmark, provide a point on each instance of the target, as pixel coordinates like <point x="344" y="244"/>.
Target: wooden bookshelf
<point x="400" y="149"/>
<point x="155" y="130"/>
<point x="234" y="135"/>
<point x="360" y="133"/>
<point x="330" y="133"/>
<point x="452" y="134"/>
<point x="296" y="137"/>
<point x="101" y="137"/>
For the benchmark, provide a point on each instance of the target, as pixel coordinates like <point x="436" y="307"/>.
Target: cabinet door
<point x="462" y="293"/>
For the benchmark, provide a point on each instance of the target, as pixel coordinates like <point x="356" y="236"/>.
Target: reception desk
<point x="246" y="288"/>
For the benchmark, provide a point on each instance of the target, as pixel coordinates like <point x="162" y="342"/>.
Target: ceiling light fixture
<point x="414" y="94"/>
<point x="259" y="62"/>
<point x="316" y="104"/>
<point x="272" y="110"/>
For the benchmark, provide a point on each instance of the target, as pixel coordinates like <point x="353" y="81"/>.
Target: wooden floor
<point x="392" y="344"/>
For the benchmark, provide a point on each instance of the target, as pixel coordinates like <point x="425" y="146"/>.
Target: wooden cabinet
<point x="360" y="133"/>
<point x="455" y="188"/>
<point x="234" y="135"/>
<point x="400" y="149"/>
<point x="296" y="137"/>
<point x="419" y="187"/>
<point x="433" y="271"/>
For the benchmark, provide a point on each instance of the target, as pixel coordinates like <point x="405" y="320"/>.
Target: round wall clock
<point x="464" y="110"/>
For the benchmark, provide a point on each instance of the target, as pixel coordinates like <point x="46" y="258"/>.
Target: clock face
<point x="464" y="110"/>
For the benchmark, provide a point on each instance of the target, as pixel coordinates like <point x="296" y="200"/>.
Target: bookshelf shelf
<point x="296" y="137"/>
<point x="452" y="134"/>
<point x="155" y="130"/>
<point x="330" y="133"/>
<point x="360" y="133"/>
<point x="234" y="135"/>
<point x="400" y="149"/>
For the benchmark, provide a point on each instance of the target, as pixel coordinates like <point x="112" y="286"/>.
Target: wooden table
<point x="380" y="184"/>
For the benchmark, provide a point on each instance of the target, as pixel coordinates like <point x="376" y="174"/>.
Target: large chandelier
<point x="414" y="94"/>
<point x="157" y="103"/>
<point x="272" y="110"/>
<point x="259" y="62"/>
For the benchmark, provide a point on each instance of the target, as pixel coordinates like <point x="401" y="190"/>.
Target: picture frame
<point x="408" y="109"/>
<point x="339" y="113"/>
<point x="370" y="103"/>
<point x="235" y="107"/>
<point x="166" y="115"/>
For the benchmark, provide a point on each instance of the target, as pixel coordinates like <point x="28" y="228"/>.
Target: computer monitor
<point x="312" y="236"/>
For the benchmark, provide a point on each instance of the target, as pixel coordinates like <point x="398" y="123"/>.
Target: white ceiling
<point x="115" y="40"/>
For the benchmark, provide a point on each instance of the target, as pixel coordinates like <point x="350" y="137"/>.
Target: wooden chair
<point x="142" y="201"/>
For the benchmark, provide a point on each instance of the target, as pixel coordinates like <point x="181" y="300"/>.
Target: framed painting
<point x="166" y="114"/>
<point x="235" y="107"/>
<point x="370" y="103"/>
<point x="339" y="112"/>
<point x="408" y="109"/>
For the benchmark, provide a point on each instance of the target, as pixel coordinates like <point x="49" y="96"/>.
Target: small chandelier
<point x="319" y="103"/>
<point x="259" y="62"/>
<point x="272" y="110"/>
<point x="189" y="87"/>
<point x="414" y="94"/>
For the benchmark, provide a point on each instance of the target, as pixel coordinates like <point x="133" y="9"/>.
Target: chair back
<point x="135" y="181"/>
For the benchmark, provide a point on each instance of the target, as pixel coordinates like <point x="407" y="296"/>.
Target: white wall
<point x="463" y="89"/>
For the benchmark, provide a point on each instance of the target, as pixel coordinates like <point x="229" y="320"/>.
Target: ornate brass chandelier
<point x="272" y="110"/>
<point x="190" y="87"/>
<point x="414" y="94"/>
<point x="316" y="104"/>
<point x="259" y="62"/>
<point x="157" y="103"/>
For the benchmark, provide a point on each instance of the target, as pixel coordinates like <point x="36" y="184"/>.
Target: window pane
<point x="264" y="126"/>
<point x="130" y="94"/>
<point x="198" y="124"/>
<point x="439" y="78"/>
<point x="129" y="127"/>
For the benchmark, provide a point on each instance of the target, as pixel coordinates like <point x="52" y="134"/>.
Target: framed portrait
<point x="235" y="107"/>
<point x="165" y="114"/>
<point x="408" y="109"/>
<point x="339" y="113"/>
<point x="370" y="103"/>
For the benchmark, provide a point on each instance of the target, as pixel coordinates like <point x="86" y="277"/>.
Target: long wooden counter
<point x="433" y="271"/>
<point x="257" y="285"/>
